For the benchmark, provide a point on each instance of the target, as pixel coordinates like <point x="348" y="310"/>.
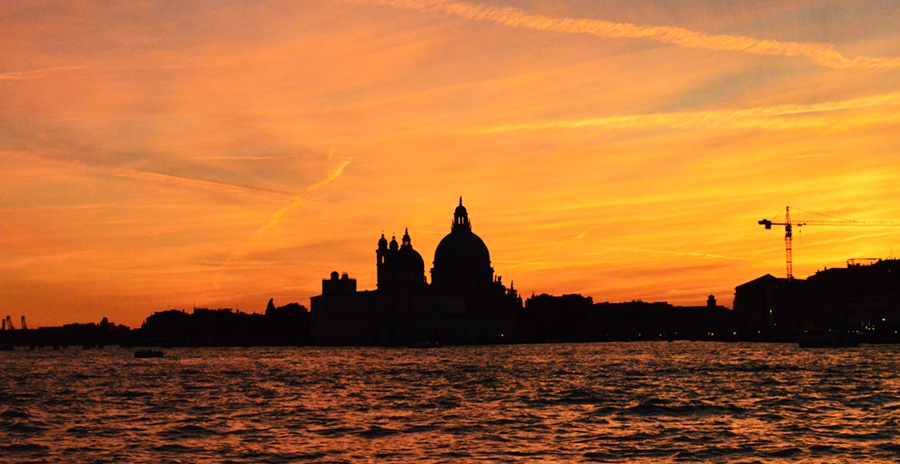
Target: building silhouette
<point x="279" y="326"/>
<point x="863" y="297"/>
<point x="576" y="318"/>
<point x="464" y="303"/>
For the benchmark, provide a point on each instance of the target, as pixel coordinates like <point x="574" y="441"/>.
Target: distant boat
<point x="148" y="354"/>
<point x="426" y="345"/>
<point x="829" y="340"/>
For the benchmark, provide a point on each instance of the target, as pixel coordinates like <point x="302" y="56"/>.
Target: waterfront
<point x="610" y="402"/>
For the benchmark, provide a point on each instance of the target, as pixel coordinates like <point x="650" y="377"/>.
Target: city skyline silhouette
<point x="466" y="303"/>
<point x="189" y="155"/>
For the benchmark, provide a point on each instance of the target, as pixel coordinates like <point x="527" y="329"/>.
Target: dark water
<point x="612" y="402"/>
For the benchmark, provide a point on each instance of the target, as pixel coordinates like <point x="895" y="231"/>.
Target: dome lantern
<point x="407" y="242"/>
<point x="461" y="218"/>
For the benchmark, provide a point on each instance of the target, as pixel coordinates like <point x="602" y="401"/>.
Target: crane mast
<point x="788" y="238"/>
<point x="789" y="231"/>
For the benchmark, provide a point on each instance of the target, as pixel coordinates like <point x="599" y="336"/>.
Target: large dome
<point x="461" y="250"/>
<point x="462" y="263"/>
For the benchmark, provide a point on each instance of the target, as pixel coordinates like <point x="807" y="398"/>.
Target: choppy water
<point x="608" y="402"/>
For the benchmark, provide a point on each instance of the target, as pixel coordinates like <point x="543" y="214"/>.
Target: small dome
<point x="460" y="210"/>
<point x="460" y="215"/>
<point x="410" y="260"/>
<point x="382" y="242"/>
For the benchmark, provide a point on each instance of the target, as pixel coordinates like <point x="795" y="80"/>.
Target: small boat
<point x="148" y="354"/>
<point x="424" y="345"/>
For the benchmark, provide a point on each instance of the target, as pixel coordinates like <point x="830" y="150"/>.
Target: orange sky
<point x="158" y="155"/>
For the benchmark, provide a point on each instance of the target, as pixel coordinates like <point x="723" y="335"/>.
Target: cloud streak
<point x="779" y="117"/>
<point x="188" y="181"/>
<point x="146" y="176"/>
<point x="278" y="215"/>
<point x="331" y="177"/>
<point x="820" y="53"/>
<point x="23" y="75"/>
<point x="678" y="253"/>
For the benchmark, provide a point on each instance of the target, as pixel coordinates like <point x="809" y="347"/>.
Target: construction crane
<point x="789" y="225"/>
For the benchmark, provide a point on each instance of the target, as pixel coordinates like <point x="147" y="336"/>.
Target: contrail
<point x="276" y="217"/>
<point x="768" y="117"/>
<point x="238" y="158"/>
<point x="21" y="75"/>
<point x="681" y="253"/>
<point x="334" y="175"/>
<point x="132" y="173"/>
<point x="820" y="53"/>
<point x="580" y="236"/>
<point x="189" y="181"/>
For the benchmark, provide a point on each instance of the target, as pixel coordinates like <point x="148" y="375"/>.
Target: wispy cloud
<point x="768" y="117"/>
<point x="678" y="253"/>
<point x="22" y="75"/>
<point x="820" y="53"/>
<point x="188" y="181"/>
<point x="239" y="158"/>
<point x="241" y="253"/>
<point x="331" y="177"/>
<point x="296" y="203"/>
<point x="580" y="236"/>
<point x="277" y="216"/>
<point x="130" y="172"/>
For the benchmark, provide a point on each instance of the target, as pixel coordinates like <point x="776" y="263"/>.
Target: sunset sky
<point x="158" y="155"/>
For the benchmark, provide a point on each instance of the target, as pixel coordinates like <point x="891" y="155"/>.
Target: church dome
<point x="410" y="260"/>
<point x="461" y="249"/>
<point x="400" y="267"/>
